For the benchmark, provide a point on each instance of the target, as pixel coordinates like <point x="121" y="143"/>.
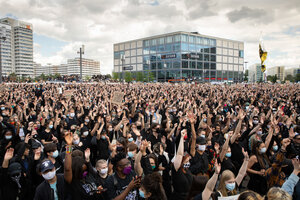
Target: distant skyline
<point x="62" y="26"/>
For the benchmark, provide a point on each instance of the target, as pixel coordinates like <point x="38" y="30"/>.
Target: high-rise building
<point x="255" y="73"/>
<point x="5" y="49"/>
<point x="89" y="67"/>
<point x="279" y="71"/>
<point x="20" y="44"/>
<point x="292" y="71"/>
<point x="181" y="55"/>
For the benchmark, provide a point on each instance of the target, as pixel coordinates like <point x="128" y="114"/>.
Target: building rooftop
<point x="179" y="32"/>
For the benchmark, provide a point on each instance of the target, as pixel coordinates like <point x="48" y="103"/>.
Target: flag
<point x="262" y="54"/>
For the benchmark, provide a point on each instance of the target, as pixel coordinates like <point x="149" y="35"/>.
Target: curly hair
<point x="153" y="184"/>
<point x="114" y="161"/>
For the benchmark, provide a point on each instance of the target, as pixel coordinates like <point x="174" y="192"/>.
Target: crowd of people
<point x="160" y="141"/>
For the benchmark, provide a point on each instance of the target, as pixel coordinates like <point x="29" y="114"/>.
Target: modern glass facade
<point x="181" y="55"/>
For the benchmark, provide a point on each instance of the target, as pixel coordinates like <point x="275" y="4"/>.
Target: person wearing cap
<point x="53" y="187"/>
<point x="13" y="182"/>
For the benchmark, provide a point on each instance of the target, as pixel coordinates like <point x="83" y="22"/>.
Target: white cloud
<point x="98" y="24"/>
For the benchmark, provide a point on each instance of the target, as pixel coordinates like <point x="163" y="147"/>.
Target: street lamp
<point x="80" y="52"/>
<point x="123" y="62"/>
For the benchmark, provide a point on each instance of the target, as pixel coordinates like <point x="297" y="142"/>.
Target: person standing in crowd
<point x="53" y="187"/>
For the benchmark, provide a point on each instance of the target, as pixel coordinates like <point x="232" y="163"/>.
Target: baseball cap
<point x="14" y="168"/>
<point x="46" y="165"/>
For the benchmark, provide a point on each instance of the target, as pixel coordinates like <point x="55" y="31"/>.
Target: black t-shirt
<point x="181" y="182"/>
<point x="84" y="189"/>
<point x="237" y="156"/>
<point x="115" y="186"/>
<point x="199" y="163"/>
<point x="102" y="149"/>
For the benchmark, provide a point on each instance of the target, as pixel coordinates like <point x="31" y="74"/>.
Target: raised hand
<point x="69" y="138"/>
<point x="9" y="154"/>
<point x="245" y="153"/>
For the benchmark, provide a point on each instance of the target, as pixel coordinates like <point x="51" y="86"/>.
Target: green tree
<point x="13" y="77"/>
<point x="289" y="78"/>
<point x="115" y="75"/>
<point x="108" y="76"/>
<point x="246" y="75"/>
<point x="297" y="78"/>
<point x="87" y="78"/>
<point x="56" y="76"/>
<point x="128" y="77"/>
<point x="273" y="79"/>
<point x="140" y="76"/>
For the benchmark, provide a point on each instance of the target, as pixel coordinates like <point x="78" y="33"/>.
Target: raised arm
<point x="224" y="148"/>
<point x="68" y="158"/>
<point x="210" y="185"/>
<point x="193" y="144"/>
<point x="237" y="130"/>
<point x="179" y="155"/>
<point x="243" y="169"/>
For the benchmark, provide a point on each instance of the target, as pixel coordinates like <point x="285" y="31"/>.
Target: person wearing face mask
<point x="49" y="134"/>
<point x="258" y="164"/>
<point x="85" y="138"/>
<point x="151" y="187"/>
<point x="124" y="182"/>
<point x="71" y="119"/>
<point x="52" y="154"/>
<point x="102" y="175"/>
<point x="53" y="186"/>
<point x="13" y="182"/>
<point x="199" y="161"/>
<point x="181" y="174"/>
<point x="154" y="137"/>
<point x="229" y="182"/>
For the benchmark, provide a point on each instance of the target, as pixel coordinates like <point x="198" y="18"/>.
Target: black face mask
<point x="139" y="127"/>
<point x="120" y="148"/>
<point x="157" y="130"/>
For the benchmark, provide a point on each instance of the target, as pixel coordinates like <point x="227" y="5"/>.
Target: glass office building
<point x="181" y="55"/>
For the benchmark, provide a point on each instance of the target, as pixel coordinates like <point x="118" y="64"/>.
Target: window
<point x="169" y="39"/>
<point x="184" y="47"/>
<point x="153" y="65"/>
<point x="153" y="42"/>
<point x="192" y="39"/>
<point x="241" y="53"/>
<point x="192" y="47"/>
<point x="193" y="65"/>
<point x="185" y="64"/>
<point x="161" y="48"/>
<point x="146" y="43"/>
<point x="213" y="66"/>
<point x="168" y="47"/>
<point x="176" y="47"/>
<point x="160" y="40"/>
<point x="184" y="38"/>
<point x="213" y="50"/>
<point x="176" y="64"/>
<point x="206" y="57"/>
<point x="177" y="38"/>
<point x="206" y="65"/>
<point x="213" y="58"/>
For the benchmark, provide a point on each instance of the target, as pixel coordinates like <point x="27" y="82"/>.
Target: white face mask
<point x="85" y="133"/>
<point x="103" y="171"/>
<point x="72" y="114"/>
<point x="50" y="175"/>
<point x="201" y="147"/>
<point x="76" y="141"/>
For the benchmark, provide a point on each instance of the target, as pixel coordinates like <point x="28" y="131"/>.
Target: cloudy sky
<point x="61" y="26"/>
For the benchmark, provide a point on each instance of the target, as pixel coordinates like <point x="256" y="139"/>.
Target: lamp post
<point x="123" y="61"/>
<point x="246" y="62"/>
<point x="1" y="38"/>
<point x="80" y="52"/>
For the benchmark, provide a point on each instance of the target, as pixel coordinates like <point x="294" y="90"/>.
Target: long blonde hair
<point x="226" y="175"/>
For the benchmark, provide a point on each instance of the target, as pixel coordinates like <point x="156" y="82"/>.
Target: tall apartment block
<point x="17" y="49"/>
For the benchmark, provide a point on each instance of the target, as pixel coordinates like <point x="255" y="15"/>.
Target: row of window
<point x="179" y="38"/>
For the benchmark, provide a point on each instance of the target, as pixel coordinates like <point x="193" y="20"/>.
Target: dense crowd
<point x="160" y="141"/>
